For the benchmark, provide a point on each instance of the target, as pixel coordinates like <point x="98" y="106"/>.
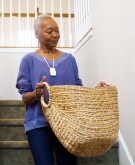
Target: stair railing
<point x="82" y="19"/>
<point x="16" y="28"/>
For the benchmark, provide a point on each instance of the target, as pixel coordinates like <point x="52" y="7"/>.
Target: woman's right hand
<point x="35" y="95"/>
<point x="40" y="88"/>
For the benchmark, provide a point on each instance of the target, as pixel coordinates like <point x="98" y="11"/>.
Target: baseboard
<point x="124" y="154"/>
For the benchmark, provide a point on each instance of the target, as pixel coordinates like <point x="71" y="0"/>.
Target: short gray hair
<point x="38" y="21"/>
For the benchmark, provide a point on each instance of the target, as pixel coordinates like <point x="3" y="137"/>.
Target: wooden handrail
<point x="33" y="14"/>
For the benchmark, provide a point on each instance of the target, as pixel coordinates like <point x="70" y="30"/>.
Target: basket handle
<point x="42" y="97"/>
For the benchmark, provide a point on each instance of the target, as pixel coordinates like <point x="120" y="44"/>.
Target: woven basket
<point x="85" y="120"/>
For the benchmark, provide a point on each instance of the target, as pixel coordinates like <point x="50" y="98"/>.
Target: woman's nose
<point x="54" y="34"/>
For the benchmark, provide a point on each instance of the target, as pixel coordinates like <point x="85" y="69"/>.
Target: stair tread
<point x="11" y="102"/>
<point x="14" y="144"/>
<point x="11" y="121"/>
<point x="23" y="144"/>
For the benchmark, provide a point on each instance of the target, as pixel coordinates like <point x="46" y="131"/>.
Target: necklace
<point x="52" y="69"/>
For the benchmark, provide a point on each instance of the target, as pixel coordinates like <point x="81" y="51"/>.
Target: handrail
<point x="66" y="15"/>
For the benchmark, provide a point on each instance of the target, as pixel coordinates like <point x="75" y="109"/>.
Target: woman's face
<point x="49" y="33"/>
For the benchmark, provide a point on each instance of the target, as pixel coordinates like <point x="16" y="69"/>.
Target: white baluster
<point x="2" y="23"/>
<point x="69" y="24"/>
<point x="85" y="13"/>
<point x="83" y="16"/>
<point x="89" y="14"/>
<point x="75" y="16"/>
<point x="19" y="23"/>
<point x="76" y="20"/>
<point x="43" y="6"/>
<point x="82" y="19"/>
<point x="11" y="29"/>
<point x="52" y="8"/>
<point x="61" y="25"/>
<point x="35" y="8"/>
<point x="79" y="19"/>
<point x="27" y="33"/>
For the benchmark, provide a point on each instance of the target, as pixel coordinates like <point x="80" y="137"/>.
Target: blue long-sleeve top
<point x="32" y="68"/>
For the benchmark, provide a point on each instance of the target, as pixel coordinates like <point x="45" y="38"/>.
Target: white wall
<point x="109" y="55"/>
<point x="9" y="65"/>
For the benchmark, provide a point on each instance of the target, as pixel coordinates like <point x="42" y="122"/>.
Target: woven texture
<point x="85" y="120"/>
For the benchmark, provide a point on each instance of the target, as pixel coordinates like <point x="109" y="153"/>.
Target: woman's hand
<point x="101" y="84"/>
<point x="40" y="88"/>
<point x="30" y="97"/>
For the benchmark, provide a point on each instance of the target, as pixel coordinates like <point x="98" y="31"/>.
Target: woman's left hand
<point x="102" y="84"/>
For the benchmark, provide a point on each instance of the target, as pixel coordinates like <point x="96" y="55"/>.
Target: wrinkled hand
<point x="40" y="88"/>
<point x="102" y="84"/>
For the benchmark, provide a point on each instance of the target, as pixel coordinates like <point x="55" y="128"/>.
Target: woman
<point x="57" y="68"/>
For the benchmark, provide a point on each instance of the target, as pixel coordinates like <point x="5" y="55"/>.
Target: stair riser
<point x="16" y="157"/>
<point x="12" y="133"/>
<point x="24" y="157"/>
<point x="12" y="112"/>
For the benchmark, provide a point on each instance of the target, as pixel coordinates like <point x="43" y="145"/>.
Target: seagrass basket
<point x="85" y="120"/>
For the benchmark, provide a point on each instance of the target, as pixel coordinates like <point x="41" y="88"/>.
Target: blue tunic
<point x="32" y="68"/>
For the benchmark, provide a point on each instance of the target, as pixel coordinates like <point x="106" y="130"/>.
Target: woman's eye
<point x="49" y="32"/>
<point x="57" y="31"/>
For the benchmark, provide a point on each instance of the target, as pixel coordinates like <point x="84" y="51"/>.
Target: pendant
<point x="52" y="71"/>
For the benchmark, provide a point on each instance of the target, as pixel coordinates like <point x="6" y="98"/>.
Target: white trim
<point x="26" y="50"/>
<point x="14" y="50"/>
<point x="124" y="154"/>
<point x="83" y="40"/>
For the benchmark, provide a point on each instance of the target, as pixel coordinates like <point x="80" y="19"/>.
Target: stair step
<point x="14" y="144"/>
<point x="21" y="149"/>
<point x="12" y="109"/>
<point x="12" y="133"/>
<point x="12" y="130"/>
<point x="11" y="102"/>
<point x="22" y="144"/>
<point x="16" y="156"/>
<point x="11" y="122"/>
<point x="18" y="149"/>
<point x="108" y="158"/>
<point x="14" y="148"/>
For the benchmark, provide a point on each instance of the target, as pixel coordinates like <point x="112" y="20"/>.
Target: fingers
<point x="39" y="90"/>
<point x="102" y="84"/>
<point x="43" y="79"/>
<point x="40" y="87"/>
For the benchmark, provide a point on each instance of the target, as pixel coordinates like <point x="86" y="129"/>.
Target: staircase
<point x="14" y="148"/>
